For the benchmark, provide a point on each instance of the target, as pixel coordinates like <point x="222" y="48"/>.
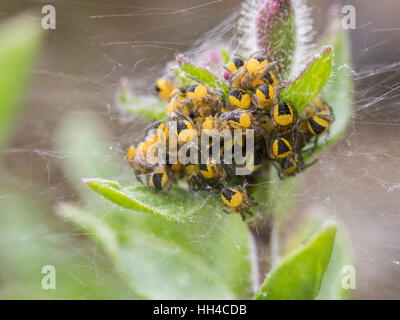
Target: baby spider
<point x="291" y="165"/>
<point x="159" y="179"/>
<point x="252" y="73"/>
<point x="280" y="147"/>
<point x="164" y="88"/>
<point x="237" y="200"/>
<point x="265" y="96"/>
<point x="206" y="101"/>
<point x="317" y="118"/>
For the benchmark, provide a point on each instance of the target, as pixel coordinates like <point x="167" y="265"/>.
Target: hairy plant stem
<point x="264" y="247"/>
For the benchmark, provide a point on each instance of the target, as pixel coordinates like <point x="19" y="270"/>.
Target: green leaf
<point x="308" y="84"/>
<point x="182" y="275"/>
<point x="156" y="268"/>
<point x="20" y="38"/>
<point x="339" y="90"/>
<point x="203" y="75"/>
<point x="342" y="253"/>
<point x="221" y="240"/>
<point x="276" y="34"/>
<point x="144" y="106"/>
<point x="184" y="205"/>
<point x="299" y="275"/>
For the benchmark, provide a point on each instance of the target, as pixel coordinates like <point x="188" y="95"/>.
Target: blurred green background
<point x="79" y="69"/>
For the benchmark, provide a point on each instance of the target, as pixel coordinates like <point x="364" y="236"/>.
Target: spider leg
<point x="281" y="177"/>
<point x="309" y="165"/>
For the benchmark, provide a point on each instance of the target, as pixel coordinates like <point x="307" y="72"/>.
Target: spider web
<point x="97" y="43"/>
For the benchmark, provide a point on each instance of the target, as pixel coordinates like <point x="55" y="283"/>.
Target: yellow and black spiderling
<point x="186" y="131"/>
<point x="159" y="180"/>
<point x="238" y="78"/>
<point x="291" y="165"/>
<point x="179" y="91"/>
<point x="164" y="88"/>
<point x="212" y="172"/>
<point x="255" y="161"/>
<point x="252" y="73"/>
<point x="288" y="166"/>
<point x="267" y="77"/>
<point x="137" y="160"/>
<point x="177" y="107"/>
<point x="317" y="125"/>
<point x="236" y="199"/>
<point x="257" y="65"/>
<point x="192" y="169"/>
<point x="280" y="148"/>
<point x="235" y="64"/>
<point x="206" y="170"/>
<point x="208" y="124"/>
<point x="239" y="120"/>
<point x="265" y="96"/>
<point x="283" y="114"/>
<point x="198" y="91"/>
<point x="206" y="101"/>
<point x="318" y="118"/>
<point x="193" y="178"/>
<point x="240" y="99"/>
<point x="131" y="153"/>
<point x="176" y="168"/>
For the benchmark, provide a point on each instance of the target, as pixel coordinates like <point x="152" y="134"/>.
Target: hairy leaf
<point x="184" y="205"/>
<point x="299" y="275"/>
<point x="308" y="84"/>
<point x="339" y="90"/>
<point x="202" y="75"/>
<point x="156" y="268"/>
<point x="20" y="38"/>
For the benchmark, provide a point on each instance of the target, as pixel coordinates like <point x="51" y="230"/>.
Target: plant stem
<point x="261" y="232"/>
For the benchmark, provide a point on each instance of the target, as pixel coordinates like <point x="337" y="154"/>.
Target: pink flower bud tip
<point x="227" y="75"/>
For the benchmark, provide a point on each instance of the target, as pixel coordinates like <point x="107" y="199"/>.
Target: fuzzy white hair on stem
<point x="246" y="33"/>
<point x="305" y="34"/>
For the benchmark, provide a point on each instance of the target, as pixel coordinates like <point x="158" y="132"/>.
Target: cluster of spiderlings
<point x="280" y="134"/>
